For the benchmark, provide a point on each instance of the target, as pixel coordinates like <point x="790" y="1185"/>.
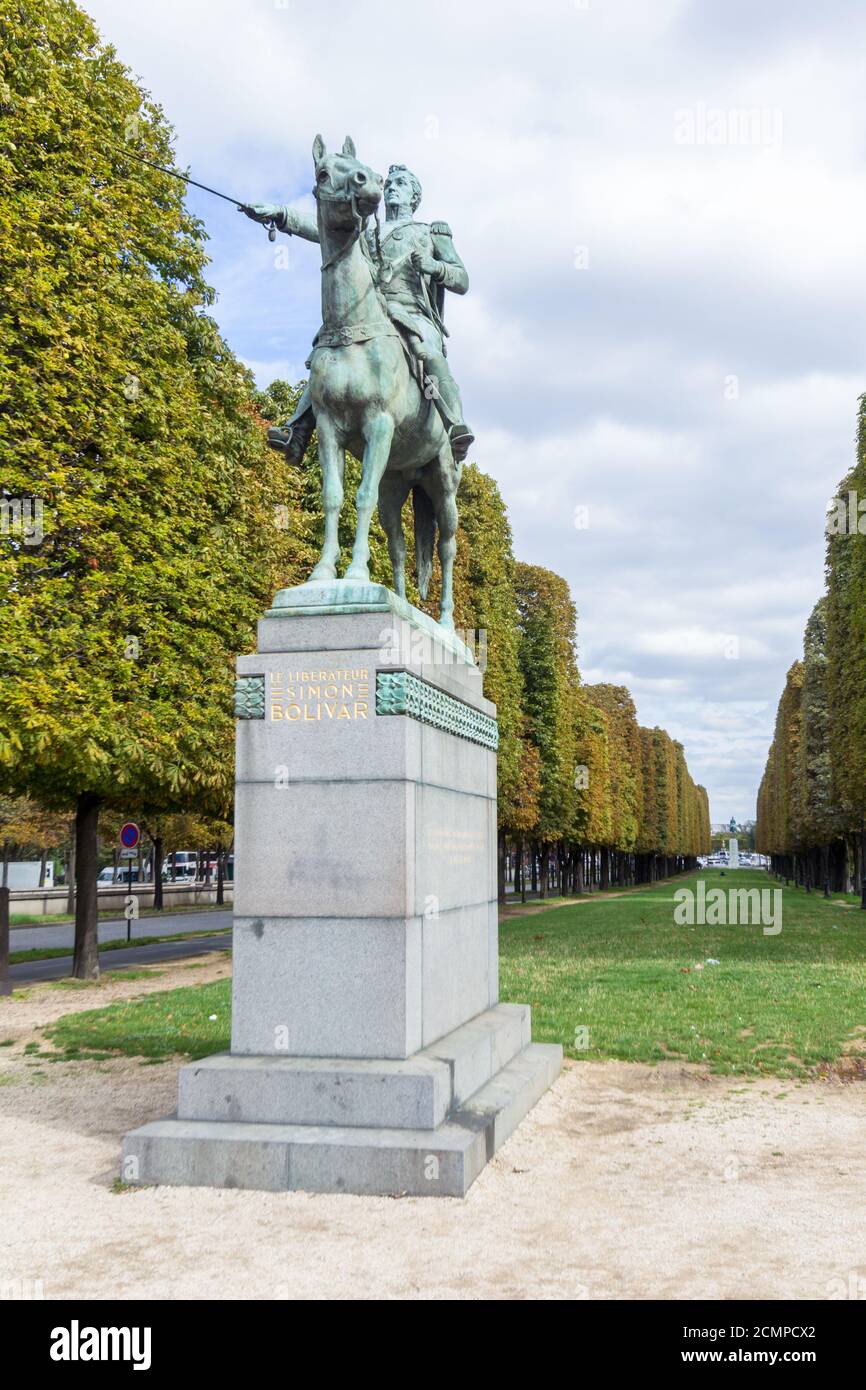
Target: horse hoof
<point x="446" y="622"/>
<point x="359" y="573"/>
<point x="323" y="571"/>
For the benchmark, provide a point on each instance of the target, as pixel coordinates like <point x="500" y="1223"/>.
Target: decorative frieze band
<point x="250" y="697"/>
<point x="400" y="692"/>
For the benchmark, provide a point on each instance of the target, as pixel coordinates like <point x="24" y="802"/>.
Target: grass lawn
<point x="193" y="1021"/>
<point x="621" y="969"/>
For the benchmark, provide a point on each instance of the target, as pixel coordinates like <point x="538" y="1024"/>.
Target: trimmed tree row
<point x="812" y="798"/>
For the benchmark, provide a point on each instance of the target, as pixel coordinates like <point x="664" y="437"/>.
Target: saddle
<point x="348" y="333"/>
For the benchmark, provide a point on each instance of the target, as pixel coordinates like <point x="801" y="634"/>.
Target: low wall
<point x="42" y="901"/>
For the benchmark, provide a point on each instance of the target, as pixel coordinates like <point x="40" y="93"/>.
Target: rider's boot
<point x="294" y="437"/>
<point x="446" y="398"/>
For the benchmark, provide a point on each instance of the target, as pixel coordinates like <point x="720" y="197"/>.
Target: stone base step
<point x="441" y="1161"/>
<point x="417" y="1093"/>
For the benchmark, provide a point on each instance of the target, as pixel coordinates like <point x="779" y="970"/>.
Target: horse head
<point x="346" y="189"/>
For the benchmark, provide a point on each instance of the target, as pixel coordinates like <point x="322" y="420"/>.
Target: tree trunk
<point x="158" y="858"/>
<point x="85" y="960"/>
<point x="70" y="873"/>
<point x="544" y="871"/>
<point x="840" y="867"/>
<point x="220" y="894"/>
<point x="43" y="860"/>
<point x="500" y="866"/>
<point x="605" y="869"/>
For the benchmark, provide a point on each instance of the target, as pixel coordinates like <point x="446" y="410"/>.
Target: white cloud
<point x="537" y="130"/>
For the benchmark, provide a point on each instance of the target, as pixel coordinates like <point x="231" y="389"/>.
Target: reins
<point x="356" y="234"/>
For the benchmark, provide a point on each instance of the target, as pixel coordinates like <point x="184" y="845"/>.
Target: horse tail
<point x="425" y="538"/>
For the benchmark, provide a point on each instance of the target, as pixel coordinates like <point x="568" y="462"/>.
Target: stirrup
<point x="279" y="438"/>
<point x="290" y="442"/>
<point x="461" y="440"/>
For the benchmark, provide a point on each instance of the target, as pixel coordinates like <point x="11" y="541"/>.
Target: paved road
<point x="33" y="972"/>
<point x="165" y="924"/>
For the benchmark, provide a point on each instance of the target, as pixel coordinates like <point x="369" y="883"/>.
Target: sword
<point x="185" y="178"/>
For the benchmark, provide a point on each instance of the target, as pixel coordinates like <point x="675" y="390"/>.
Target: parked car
<point x="110" y="876"/>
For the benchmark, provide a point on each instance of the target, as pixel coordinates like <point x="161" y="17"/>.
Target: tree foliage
<point x="546" y="655"/>
<point x="127" y="416"/>
<point x="165" y="524"/>
<point x="812" y="798"/>
<point x="130" y="422"/>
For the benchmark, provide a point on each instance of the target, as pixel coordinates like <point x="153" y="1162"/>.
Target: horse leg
<point x="376" y="452"/>
<point x="333" y="461"/>
<point x="441" y="488"/>
<point x="393" y="491"/>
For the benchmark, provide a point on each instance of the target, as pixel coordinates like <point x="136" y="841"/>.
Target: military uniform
<point x="415" y="303"/>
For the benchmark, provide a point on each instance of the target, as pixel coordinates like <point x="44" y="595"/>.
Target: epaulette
<point x="440" y="229"/>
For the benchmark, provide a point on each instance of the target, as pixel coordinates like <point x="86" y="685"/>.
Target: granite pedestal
<point x="369" y="1052"/>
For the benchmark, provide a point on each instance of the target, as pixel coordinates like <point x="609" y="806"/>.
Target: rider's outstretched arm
<point x="297" y="224"/>
<point x="285" y="219"/>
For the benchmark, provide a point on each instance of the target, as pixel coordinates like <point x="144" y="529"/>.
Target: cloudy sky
<point x="662" y="209"/>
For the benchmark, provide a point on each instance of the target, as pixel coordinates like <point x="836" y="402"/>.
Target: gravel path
<point x="625" y="1182"/>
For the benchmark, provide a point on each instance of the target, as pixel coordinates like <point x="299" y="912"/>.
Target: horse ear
<point x="349" y="147"/>
<point x="318" y="148"/>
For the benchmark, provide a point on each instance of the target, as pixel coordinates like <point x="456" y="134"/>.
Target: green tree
<point x="626" y="781"/>
<point x="846" y="660"/>
<point x="781" y="823"/>
<point x="667" y="811"/>
<point x="124" y="413"/>
<point x="490" y="607"/>
<point x="593" y="821"/>
<point x="549" y="668"/>
<point x="27" y="829"/>
<point x="803" y="815"/>
<point x="820" y="818"/>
